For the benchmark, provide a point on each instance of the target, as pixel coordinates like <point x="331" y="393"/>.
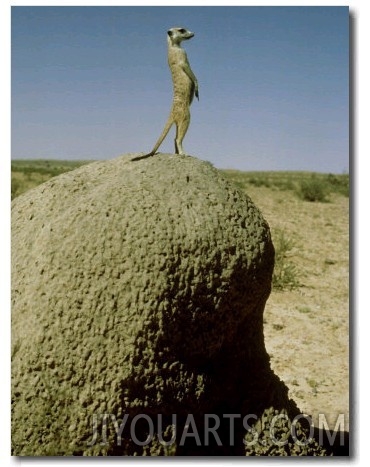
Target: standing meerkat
<point x="185" y="87"/>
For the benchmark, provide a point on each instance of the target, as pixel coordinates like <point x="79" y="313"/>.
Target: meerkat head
<point x="177" y="35"/>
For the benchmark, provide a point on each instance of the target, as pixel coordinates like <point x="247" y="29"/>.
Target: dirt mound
<point x="138" y="288"/>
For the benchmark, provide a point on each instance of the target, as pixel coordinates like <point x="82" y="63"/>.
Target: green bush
<point x="259" y="181"/>
<point x="286" y="184"/>
<point x="285" y="275"/>
<point x="339" y="184"/>
<point x="314" y="189"/>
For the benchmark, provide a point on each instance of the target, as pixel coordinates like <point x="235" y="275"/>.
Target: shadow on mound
<point x="246" y="411"/>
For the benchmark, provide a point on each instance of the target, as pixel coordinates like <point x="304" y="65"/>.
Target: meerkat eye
<point x="183" y="31"/>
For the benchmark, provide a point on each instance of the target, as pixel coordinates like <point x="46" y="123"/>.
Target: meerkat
<point x="185" y="87"/>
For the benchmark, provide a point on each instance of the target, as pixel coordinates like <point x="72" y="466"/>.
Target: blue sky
<point x="93" y="83"/>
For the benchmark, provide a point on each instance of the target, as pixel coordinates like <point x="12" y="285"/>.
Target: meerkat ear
<point x="170" y="32"/>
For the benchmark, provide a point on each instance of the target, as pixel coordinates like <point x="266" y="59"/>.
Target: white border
<point x="360" y="232"/>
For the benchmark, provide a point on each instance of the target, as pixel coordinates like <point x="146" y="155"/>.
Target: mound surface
<point x="137" y="288"/>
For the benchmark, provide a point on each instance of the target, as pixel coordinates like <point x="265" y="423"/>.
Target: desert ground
<point x="307" y="328"/>
<point x="307" y="319"/>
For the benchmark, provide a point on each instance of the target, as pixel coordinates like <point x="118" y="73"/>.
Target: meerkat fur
<point x="185" y="87"/>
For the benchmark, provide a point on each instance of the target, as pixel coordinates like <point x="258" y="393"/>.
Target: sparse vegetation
<point x="27" y="174"/>
<point x="308" y="186"/>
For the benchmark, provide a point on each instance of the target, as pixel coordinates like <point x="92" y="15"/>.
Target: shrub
<point x="259" y="181"/>
<point x="285" y="275"/>
<point x="314" y="189"/>
<point x="284" y="184"/>
<point x="339" y="184"/>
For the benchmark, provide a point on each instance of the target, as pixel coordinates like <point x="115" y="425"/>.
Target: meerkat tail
<point x="166" y="129"/>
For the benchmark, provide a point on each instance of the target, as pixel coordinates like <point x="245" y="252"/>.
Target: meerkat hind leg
<point x="181" y="129"/>
<point x="178" y="147"/>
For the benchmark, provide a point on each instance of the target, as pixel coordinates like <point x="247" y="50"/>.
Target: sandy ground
<point x="307" y="329"/>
